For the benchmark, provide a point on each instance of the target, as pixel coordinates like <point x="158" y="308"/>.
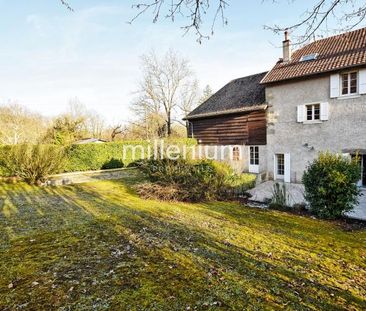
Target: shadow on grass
<point x="105" y="243"/>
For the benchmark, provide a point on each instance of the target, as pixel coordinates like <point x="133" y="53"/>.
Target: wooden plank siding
<point x="236" y="129"/>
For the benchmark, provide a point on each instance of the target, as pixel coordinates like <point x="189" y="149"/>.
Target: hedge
<point x="88" y="157"/>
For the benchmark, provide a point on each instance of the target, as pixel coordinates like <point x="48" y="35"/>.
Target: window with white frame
<point x="254" y="155"/>
<point x="313" y="112"/>
<point x="349" y="83"/>
<point x="236" y="154"/>
<point x="280" y="164"/>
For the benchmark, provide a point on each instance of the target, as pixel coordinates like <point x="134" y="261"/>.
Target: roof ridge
<point x="330" y="37"/>
<point x="252" y="75"/>
<point x="336" y="52"/>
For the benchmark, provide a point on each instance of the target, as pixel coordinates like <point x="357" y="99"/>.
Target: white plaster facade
<point x="341" y="130"/>
<point x="344" y="130"/>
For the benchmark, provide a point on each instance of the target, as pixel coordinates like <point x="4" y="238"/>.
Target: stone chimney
<point x="286" y="46"/>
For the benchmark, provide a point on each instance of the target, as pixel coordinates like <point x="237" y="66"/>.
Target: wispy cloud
<point x="36" y="22"/>
<point x="94" y="54"/>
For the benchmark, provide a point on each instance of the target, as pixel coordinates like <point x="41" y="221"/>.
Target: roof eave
<point x="226" y="112"/>
<point x="309" y="75"/>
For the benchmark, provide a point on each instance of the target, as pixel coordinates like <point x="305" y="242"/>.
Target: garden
<point x="99" y="246"/>
<point x="176" y="235"/>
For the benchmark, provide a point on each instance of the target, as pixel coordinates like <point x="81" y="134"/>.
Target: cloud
<point x="36" y="22"/>
<point x="93" y="54"/>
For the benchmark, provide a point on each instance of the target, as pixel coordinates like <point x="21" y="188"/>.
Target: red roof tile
<point x="334" y="53"/>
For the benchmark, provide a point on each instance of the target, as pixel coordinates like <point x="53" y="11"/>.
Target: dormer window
<point x="349" y="83"/>
<point x="306" y="58"/>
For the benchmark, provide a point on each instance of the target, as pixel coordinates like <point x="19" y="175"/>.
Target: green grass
<point x="98" y="246"/>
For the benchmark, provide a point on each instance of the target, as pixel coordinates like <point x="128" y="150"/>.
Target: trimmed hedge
<point x="89" y="157"/>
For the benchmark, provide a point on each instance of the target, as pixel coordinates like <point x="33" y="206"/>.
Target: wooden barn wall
<point x="236" y="129"/>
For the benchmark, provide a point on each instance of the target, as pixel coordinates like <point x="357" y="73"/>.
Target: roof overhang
<point x="311" y="75"/>
<point x="227" y="112"/>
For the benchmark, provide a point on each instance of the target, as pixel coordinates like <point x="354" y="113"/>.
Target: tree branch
<point x="194" y="10"/>
<point x="316" y="19"/>
<point x="66" y="4"/>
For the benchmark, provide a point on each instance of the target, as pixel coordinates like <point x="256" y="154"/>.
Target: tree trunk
<point x="169" y="124"/>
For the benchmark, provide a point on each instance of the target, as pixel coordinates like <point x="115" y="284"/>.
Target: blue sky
<point x="49" y="55"/>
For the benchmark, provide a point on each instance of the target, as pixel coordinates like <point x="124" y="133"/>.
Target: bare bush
<point x="32" y="163"/>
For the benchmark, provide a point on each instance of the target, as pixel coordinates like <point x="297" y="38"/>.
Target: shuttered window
<point x="313" y="112"/>
<point x="349" y="83"/>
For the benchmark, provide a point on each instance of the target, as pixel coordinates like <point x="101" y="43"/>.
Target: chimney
<point x="286" y="46"/>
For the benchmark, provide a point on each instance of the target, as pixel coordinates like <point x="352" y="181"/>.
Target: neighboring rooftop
<point x="243" y="94"/>
<point x="332" y="54"/>
<point x="90" y="141"/>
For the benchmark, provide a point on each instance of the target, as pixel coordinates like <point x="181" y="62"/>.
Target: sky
<point x="49" y="55"/>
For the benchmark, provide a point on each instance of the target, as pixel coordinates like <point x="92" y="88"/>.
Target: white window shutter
<point x="287" y="177"/>
<point x="334" y="85"/>
<point x="301" y="113"/>
<point x="324" y="111"/>
<point x="362" y="81"/>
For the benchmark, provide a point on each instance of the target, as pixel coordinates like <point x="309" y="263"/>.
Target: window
<point x="254" y="155"/>
<point x="349" y="82"/>
<point x="236" y="154"/>
<point x="280" y="164"/>
<point x="308" y="57"/>
<point x="313" y="112"/>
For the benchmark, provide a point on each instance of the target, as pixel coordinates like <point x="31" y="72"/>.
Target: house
<point x="234" y="116"/>
<point x="90" y="141"/>
<point x="315" y="100"/>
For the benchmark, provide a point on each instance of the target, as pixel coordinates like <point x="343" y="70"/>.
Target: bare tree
<point x="116" y="130"/>
<point x="193" y="10"/>
<point x="163" y="81"/>
<point x="93" y="123"/>
<point x="344" y="14"/>
<point x="189" y="99"/>
<point x="19" y="125"/>
<point x="206" y="94"/>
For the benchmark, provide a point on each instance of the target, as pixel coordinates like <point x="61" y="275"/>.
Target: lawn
<point x="98" y="246"/>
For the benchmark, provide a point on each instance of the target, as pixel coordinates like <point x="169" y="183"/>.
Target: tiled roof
<point x="240" y="95"/>
<point x="334" y="53"/>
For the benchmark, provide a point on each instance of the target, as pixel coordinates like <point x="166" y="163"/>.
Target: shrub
<point x="280" y="197"/>
<point x="192" y="180"/>
<point x="136" y="163"/>
<point x="235" y="184"/>
<point x="112" y="163"/>
<point x="330" y="185"/>
<point x="32" y="163"/>
<point x="165" y="193"/>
